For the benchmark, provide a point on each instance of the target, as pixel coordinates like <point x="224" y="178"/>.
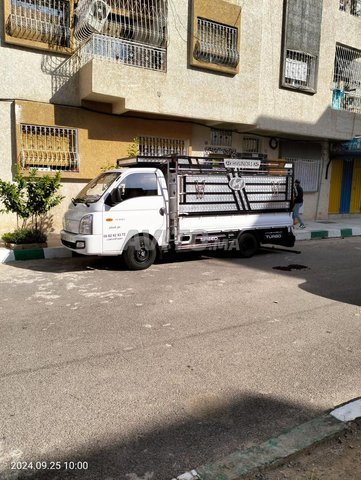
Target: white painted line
<point x="348" y="412"/>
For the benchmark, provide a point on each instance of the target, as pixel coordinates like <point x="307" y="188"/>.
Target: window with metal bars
<point x="221" y="138"/>
<point x="157" y="146"/>
<point x="45" y="21"/>
<point x="346" y="82"/>
<point x="351" y="6"/>
<point x="49" y="148"/>
<point x="299" y="70"/>
<point x="216" y="43"/>
<point x="141" y="21"/>
<point x="250" y="145"/>
<point x="308" y="172"/>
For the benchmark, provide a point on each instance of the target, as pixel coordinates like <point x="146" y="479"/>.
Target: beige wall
<point x="102" y="138"/>
<point x="295" y="112"/>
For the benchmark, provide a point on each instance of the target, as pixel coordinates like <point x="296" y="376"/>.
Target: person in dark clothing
<point x="297" y="203"/>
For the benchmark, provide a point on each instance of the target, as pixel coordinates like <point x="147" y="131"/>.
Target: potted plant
<point x="30" y="199"/>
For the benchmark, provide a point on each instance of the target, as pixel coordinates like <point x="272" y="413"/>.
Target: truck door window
<point x="140" y="185"/>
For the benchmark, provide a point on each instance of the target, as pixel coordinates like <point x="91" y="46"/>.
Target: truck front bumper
<point x="84" y="244"/>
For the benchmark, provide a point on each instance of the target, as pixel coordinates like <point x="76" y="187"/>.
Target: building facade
<point x="87" y="82"/>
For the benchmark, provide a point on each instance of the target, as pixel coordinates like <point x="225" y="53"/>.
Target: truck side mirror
<point x="116" y="196"/>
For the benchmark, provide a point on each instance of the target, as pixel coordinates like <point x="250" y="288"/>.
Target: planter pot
<point x="25" y="246"/>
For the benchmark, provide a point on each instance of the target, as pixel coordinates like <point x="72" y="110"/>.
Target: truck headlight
<point x="86" y="225"/>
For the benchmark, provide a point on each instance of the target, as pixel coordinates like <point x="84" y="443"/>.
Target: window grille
<point x="46" y="21"/>
<point x="221" y="138"/>
<point x="346" y="85"/>
<point x="49" y="148"/>
<point x="216" y="43"/>
<point x="142" y="21"/>
<point x="250" y="145"/>
<point x="158" y="146"/>
<point x="351" y="6"/>
<point x="308" y="172"/>
<point x="299" y="70"/>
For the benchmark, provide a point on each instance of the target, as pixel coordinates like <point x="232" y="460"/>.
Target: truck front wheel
<point x="140" y="253"/>
<point x="247" y="244"/>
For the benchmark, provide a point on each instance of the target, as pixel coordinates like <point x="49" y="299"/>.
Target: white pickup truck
<point x="154" y="204"/>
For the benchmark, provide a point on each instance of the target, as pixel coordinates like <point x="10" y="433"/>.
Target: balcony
<point x="99" y="59"/>
<point x="346" y="82"/>
<point x="352" y="7"/>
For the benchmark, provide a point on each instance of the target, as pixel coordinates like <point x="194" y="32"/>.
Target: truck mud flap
<point x="277" y="236"/>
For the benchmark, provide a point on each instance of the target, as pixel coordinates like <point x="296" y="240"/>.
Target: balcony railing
<point x="351" y="6"/>
<point x="346" y="82"/>
<point x="115" y="50"/>
<point x="44" y="21"/>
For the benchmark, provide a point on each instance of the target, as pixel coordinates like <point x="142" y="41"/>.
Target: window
<point x="96" y="188"/>
<point x="157" y="146"/>
<point x="308" y="171"/>
<point x="216" y="43"/>
<point x="300" y="69"/>
<point x="141" y="21"/>
<point x="351" y="6"/>
<point x="49" y="148"/>
<point x="250" y="145"/>
<point x="301" y="44"/>
<point x="221" y="138"/>
<point x="346" y="85"/>
<point x="140" y="185"/>
<point x="45" y="21"/>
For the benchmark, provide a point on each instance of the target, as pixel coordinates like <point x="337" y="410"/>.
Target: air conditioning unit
<point x="91" y="16"/>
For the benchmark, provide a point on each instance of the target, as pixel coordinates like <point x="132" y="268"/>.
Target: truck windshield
<point x="95" y="189"/>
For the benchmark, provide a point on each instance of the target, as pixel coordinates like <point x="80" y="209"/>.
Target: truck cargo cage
<point x="223" y="186"/>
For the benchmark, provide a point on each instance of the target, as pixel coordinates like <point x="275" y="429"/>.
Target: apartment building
<point x="86" y="82"/>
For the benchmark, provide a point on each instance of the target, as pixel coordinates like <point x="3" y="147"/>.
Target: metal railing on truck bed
<point x="223" y="186"/>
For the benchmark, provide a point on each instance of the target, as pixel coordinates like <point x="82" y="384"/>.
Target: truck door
<point x="142" y="209"/>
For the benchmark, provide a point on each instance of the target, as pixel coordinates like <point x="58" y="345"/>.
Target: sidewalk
<point x="331" y="228"/>
<point x="255" y="462"/>
<point x="339" y="227"/>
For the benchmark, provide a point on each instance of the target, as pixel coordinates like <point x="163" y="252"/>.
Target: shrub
<point x="24" y="235"/>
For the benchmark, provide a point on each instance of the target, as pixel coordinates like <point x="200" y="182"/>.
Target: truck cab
<point x="113" y="208"/>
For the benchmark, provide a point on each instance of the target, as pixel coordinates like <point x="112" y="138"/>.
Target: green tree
<point x="31" y="197"/>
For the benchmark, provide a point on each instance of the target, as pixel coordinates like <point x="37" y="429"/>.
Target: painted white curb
<point x="348" y="412"/>
<point x="6" y="255"/>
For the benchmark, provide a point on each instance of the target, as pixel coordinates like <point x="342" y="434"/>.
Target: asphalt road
<point x="145" y="375"/>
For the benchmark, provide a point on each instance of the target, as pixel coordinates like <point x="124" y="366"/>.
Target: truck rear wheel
<point x="140" y="253"/>
<point x="247" y="244"/>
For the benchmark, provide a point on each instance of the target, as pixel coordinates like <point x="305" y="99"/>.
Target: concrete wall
<point x="289" y="111"/>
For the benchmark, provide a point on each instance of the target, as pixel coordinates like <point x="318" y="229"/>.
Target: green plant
<point x="133" y="149"/>
<point x="107" y="167"/>
<point x="24" y="235"/>
<point x="30" y="198"/>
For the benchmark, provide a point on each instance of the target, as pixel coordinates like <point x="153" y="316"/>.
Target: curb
<point x="329" y="233"/>
<point x="7" y="256"/>
<point x="275" y="450"/>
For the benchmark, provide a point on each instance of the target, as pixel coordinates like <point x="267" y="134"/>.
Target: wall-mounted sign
<point x="244" y="163"/>
<point x="352" y="148"/>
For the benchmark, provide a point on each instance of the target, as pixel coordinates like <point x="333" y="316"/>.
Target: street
<point x="109" y="374"/>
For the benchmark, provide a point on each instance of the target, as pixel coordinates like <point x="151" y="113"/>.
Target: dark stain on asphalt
<point x="292" y="266"/>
